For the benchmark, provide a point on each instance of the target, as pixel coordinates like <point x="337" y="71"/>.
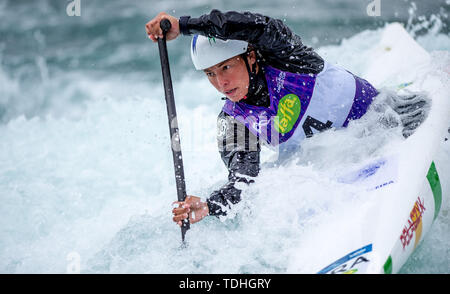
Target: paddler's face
<point x="230" y="77"/>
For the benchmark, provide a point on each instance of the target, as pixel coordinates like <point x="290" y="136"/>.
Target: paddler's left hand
<point x="192" y="206"/>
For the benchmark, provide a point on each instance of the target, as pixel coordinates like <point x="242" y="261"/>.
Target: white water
<point x="98" y="182"/>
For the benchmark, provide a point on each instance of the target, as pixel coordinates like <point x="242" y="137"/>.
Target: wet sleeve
<point x="239" y="150"/>
<point x="277" y="44"/>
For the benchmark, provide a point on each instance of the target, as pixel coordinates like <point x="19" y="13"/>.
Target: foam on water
<point x="90" y="172"/>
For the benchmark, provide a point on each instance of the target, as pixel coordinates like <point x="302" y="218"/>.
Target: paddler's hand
<point x="193" y="206"/>
<point x="154" y="30"/>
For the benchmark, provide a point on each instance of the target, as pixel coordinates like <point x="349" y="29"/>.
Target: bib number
<point x="312" y="123"/>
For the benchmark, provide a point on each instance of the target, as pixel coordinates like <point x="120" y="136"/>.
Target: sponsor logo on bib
<point x="288" y="112"/>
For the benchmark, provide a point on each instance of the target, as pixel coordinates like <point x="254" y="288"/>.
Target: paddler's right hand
<point x="192" y="206"/>
<point x="154" y="30"/>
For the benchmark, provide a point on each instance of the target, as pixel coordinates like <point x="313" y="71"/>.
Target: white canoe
<point x="406" y="180"/>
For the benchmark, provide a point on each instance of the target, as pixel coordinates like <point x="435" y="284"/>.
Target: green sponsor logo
<point x="388" y="266"/>
<point x="288" y="111"/>
<point x="435" y="184"/>
<point x="211" y="39"/>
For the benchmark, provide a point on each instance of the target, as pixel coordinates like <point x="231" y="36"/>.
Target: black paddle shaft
<point x="173" y="123"/>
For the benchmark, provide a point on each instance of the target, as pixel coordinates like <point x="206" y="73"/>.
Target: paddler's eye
<point x="225" y="67"/>
<point x="210" y="74"/>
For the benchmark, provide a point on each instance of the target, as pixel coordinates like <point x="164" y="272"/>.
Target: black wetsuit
<point x="276" y="45"/>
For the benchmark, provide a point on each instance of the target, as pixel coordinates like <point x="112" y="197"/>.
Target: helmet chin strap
<point x="252" y="77"/>
<point x="256" y="84"/>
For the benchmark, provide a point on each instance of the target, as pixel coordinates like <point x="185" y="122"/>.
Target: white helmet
<point x="206" y="52"/>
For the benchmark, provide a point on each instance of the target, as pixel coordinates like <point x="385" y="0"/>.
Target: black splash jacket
<point x="277" y="46"/>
